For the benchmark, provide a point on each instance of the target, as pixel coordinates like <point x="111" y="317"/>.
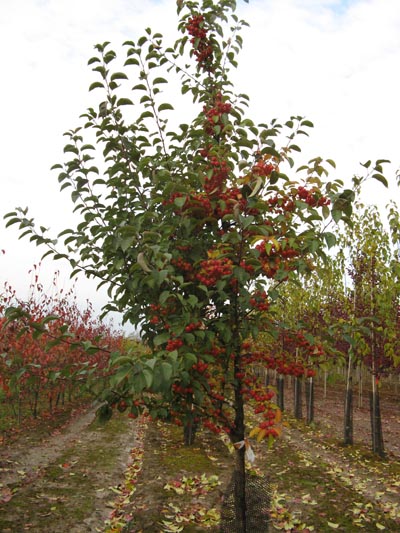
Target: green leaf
<point x="161" y="338"/>
<point x="164" y="107"/>
<point x="118" y="76"/>
<point x="148" y="377"/>
<point x="75" y="196"/>
<point x="146" y="114"/>
<point x="166" y="371"/>
<point x="131" y="61"/>
<point x="381" y="179"/>
<point x="96" y="85"/>
<point x="330" y="239"/>
<point x="270" y="151"/>
<point x="190" y="359"/>
<point x="71" y="148"/>
<point x="180" y="201"/>
<point x="120" y="374"/>
<point x="124" y="101"/>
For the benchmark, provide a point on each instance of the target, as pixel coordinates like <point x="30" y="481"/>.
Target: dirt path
<point x="27" y="463"/>
<point x="373" y="482"/>
<point x="320" y="482"/>
<point x="66" y="482"/>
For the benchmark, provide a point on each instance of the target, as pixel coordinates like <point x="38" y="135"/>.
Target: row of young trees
<point x="38" y="370"/>
<point x="346" y="313"/>
<point x="195" y="229"/>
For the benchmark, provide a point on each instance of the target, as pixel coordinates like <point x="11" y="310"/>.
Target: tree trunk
<point x="298" y="397"/>
<point x="348" y="406"/>
<point x="281" y="392"/>
<point x="348" y="413"/>
<point x="376" y="421"/>
<point x="189" y="431"/>
<point x="240" y="490"/>
<point x="360" y="386"/>
<point x="35" y="403"/>
<point x="240" y="467"/>
<point x="310" y="399"/>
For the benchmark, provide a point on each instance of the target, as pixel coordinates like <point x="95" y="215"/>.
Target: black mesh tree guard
<point x="258" y="503"/>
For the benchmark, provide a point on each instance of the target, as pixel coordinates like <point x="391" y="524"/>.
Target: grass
<point x="323" y="494"/>
<point x="166" y="462"/>
<point x="66" y="491"/>
<point x="308" y="493"/>
<point x="313" y="487"/>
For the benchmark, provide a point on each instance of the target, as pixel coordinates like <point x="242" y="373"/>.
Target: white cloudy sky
<point x="335" y="61"/>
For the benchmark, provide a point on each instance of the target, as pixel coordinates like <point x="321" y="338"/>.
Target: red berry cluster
<point x="199" y="205"/>
<point x="270" y="262"/>
<point x="298" y="340"/>
<point x="213" y="270"/>
<point x="217" y="351"/>
<point x="230" y="200"/>
<point x="259" y="301"/>
<point x="281" y="365"/>
<point x="276" y="259"/>
<point x="296" y="369"/>
<point x="289" y="252"/>
<point x="312" y="197"/>
<point x="158" y="313"/>
<point x="193" y="326"/>
<point x="253" y="357"/>
<point x="171" y="199"/>
<point x="248" y="268"/>
<point x="183" y="265"/>
<point x="263" y="168"/>
<point x="214" y="114"/>
<point x="212" y="427"/>
<point x="214" y="184"/>
<point x="201" y="44"/>
<point x="174" y="344"/>
<point x="287" y="367"/>
<point x="261" y="399"/>
<point x="282" y="203"/>
<point x="216" y="397"/>
<point x="261" y="396"/>
<point x="183" y="247"/>
<point x="200" y="367"/>
<point x="268" y="430"/>
<point x="179" y="389"/>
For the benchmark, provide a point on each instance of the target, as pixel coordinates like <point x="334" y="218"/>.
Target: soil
<point x="69" y="481"/>
<point x="64" y="482"/>
<point x="329" y="411"/>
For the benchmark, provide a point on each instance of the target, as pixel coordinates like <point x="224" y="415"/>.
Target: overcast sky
<point x="337" y="62"/>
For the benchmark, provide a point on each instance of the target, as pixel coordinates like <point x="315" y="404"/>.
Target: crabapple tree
<point x="192" y="226"/>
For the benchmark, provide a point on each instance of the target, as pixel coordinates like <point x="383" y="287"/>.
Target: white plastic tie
<point x="249" y="454"/>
